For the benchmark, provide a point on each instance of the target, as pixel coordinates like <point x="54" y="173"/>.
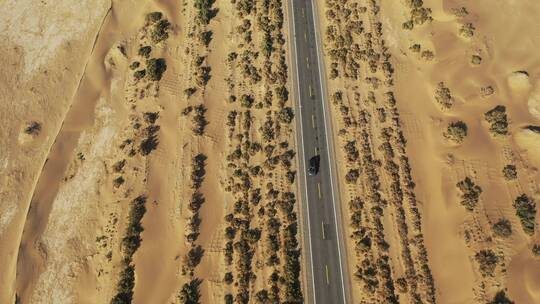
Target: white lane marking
<point x="319" y="189"/>
<point x="310" y="92"/>
<point x="295" y="58"/>
<point x="328" y="150"/>
<point x="327" y="275"/>
<point x="323" y="232"/>
<point x="313" y="121"/>
<point x="307" y="61"/>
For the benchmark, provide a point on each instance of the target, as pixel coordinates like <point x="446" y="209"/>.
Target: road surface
<point x="326" y="269"/>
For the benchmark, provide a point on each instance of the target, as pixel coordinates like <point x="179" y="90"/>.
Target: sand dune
<point x="147" y="152"/>
<point x="453" y="235"/>
<point x="44" y="71"/>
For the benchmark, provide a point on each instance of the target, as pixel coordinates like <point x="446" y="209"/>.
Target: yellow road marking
<point x="319" y="189"/>
<point x="327" y="275"/>
<point x="313" y="122"/>
<point x="323" y="232"/>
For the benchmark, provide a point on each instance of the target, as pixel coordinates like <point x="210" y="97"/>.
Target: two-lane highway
<point x="328" y="281"/>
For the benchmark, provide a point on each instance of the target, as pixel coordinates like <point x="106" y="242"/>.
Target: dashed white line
<point x="327" y="275"/>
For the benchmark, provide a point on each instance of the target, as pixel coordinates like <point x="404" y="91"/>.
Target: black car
<point x="313" y="168"/>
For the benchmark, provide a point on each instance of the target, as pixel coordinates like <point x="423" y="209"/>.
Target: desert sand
<point x="147" y="150"/>
<point x="453" y="62"/>
<point x="125" y="122"/>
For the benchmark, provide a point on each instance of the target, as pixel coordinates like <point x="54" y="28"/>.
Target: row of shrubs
<point x="130" y="244"/>
<point x="275" y="209"/>
<point x="157" y="29"/>
<point x="189" y="293"/>
<point x="399" y="142"/>
<point x="393" y="146"/>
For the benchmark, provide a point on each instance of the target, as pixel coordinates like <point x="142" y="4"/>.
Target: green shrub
<point x="194" y="256"/>
<point x="199" y="120"/>
<point x="130" y="243"/>
<point x="228" y="278"/>
<point x="124" y="293"/>
<point x="154" y="17"/>
<point x="138" y="75"/>
<point x="536" y="250"/>
<point x="203" y="75"/>
<point x="32" y="128"/>
<point x="510" y="172"/>
<point x="286" y="115"/>
<point x="476" y="60"/>
<point x="204" y="11"/>
<point x="408" y="25"/>
<point x="497" y="119"/>
<point x="456" y="132"/>
<point x="160" y="31"/>
<point x="205" y="37"/>
<point x="352" y="176"/>
<point x="246" y="101"/>
<point x="291" y="176"/>
<point x="501" y="298"/>
<point x="502" y="228"/>
<point x="421" y="15"/>
<point x="443" y="96"/>
<point x="486" y="91"/>
<point x="145" y="51"/>
<point x="470" y="193"/>
<point x="190" y="292"/>
<point x="156" y="68"/>
<point x="415" y="48"/>
<point x="526" y="211"/>
<point x="267" y="45"/>
<point x="460" y="12"/>
<point x="487" y="261"/>
<point x="427" y="55"/>
<point x="135" y="65"/>
<point x="467" y="30"/>
<point x="190" y="91"/>
<point x="148" y="144"/>
<point x="282" y="94"/>
<point x="132" y="239"/>
<point x="151" y="117"/>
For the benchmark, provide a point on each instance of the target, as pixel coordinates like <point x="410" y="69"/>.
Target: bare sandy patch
<point x="41" y="28"/>
<point x="529" y="140"/>
<point x="534" y="102"/>
<point x="519" y="81"/>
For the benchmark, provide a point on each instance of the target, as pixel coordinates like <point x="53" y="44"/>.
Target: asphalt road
<point x="328" y="281"/>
